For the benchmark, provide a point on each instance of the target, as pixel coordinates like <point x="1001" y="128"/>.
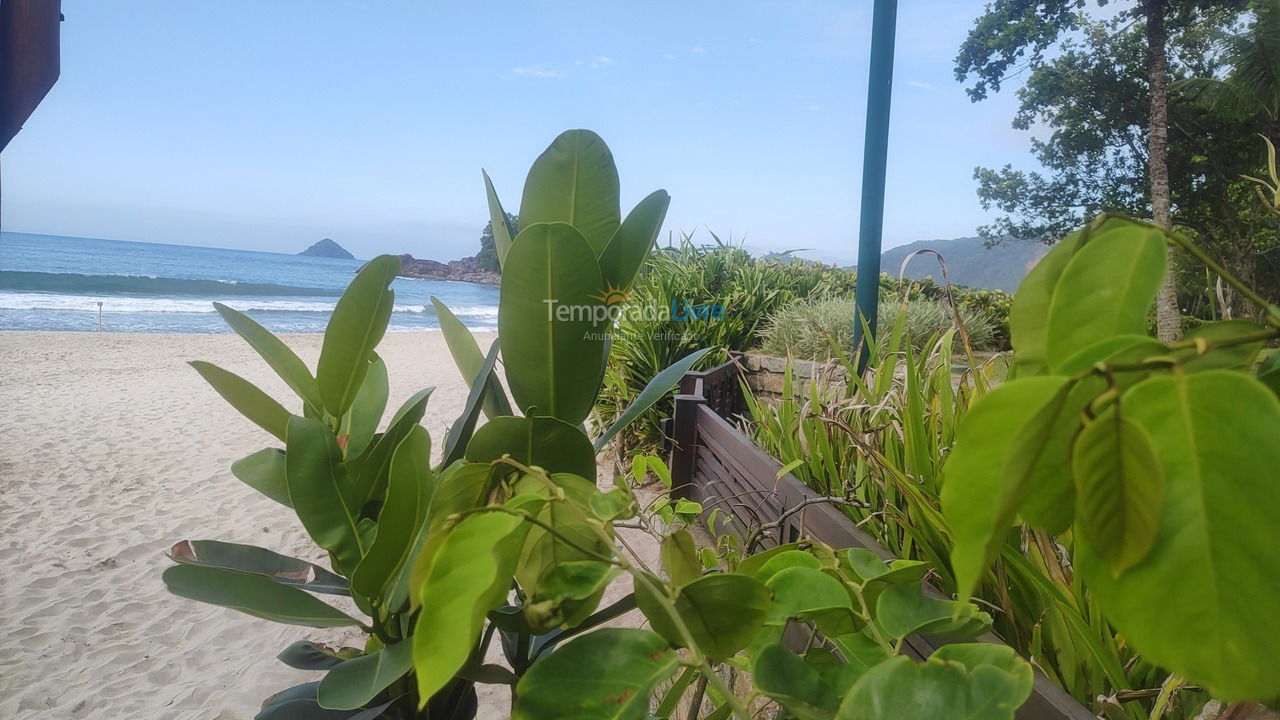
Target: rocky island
<point x="329" y="249"/>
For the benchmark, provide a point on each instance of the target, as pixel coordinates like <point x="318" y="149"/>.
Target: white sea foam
<point x="45" y="301"/>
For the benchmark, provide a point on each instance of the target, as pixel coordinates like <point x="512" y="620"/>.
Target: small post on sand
<point x="99" y="316"/>
<point x="874" y="159"/>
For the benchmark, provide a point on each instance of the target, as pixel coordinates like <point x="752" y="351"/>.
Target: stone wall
<point x="765" y="374"/>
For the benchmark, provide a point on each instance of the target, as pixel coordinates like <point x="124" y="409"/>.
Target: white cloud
<point x="815" y="108"/>
<point x="929" y="87"/>
<point x="699" y="50"/>
<point x="537" y="71"/>
<point x="604" y="60"/>
<point x="668" y="56"/>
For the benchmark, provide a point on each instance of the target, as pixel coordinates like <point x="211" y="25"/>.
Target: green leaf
<point x="722" y="612"/>
<point x="470" y="576"/>
<point x="1269" y="372"/>
<point x="807" y="594"/>
<point x="900" y="689"/>
<point x="264" y="471"/>
<point x="326" y="501"/>
<point x="287" y="365"/>
<point x="503" y="233"/>
<point x="658" y="387"/>
<point x="308" y="655"/>
<point x="371" y="470"/>
<point x="971" y="655"/>
<point x="547" y="442"/>
<point x="1232" y="357"/>
<point x="543" y="550"/>
<point x="567" y="593"/>
<point x="361" y="421"/>
<point x="1030" y="307"/>
<point x="624" y="255"/>
<point x="1106" y="289"/>
<point x="904" y="609"/>
<point x="784" y="560"/>
<point x="300" y="703"/>
<point x="408" y="497"/>
<point x="246" y="398"/>
<point x="794" y="684"/>
<point x="467" y="356"/>
<point x="574" y="181"/>
<point x="551" y="321"/>
<point x="1205" y="602"/>
<point x="608" y="674"/>
<point x="1121" y="487"/>
<point x="460" y="487"/>
<point x="259" y="561"/>
<point x="679" y="555"/>
<point x="455" y="441"/>
<point x="356" y="682"/>
<point x="986" y="477"/>
<point x="253" y="594"/>
<point x="357" y="325"/>
<point x="867" y="567"/>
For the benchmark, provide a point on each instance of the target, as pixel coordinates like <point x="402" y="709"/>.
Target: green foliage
<point x="510" y="537"/>
<point x="1170" y="459"/>
<point x="487" y="257"/>
<point x="809" y="329"/>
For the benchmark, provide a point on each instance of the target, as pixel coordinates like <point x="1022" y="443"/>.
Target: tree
<point x="1014" y="36"/>
<point x="1252" y="87"/>
<point x="1093" y="97"/>
<point x="487" y="258"/>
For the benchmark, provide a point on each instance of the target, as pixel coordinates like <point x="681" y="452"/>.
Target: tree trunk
<point x="1168" y="317"/>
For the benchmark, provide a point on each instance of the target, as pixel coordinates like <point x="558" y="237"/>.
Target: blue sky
<point x="268" y="125"/>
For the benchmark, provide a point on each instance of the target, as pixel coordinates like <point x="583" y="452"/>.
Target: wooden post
<point x="99" y="316"/>
<point x="684" y="427"/>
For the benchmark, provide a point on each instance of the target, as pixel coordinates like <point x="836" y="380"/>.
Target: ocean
<point x="49" y="282"/>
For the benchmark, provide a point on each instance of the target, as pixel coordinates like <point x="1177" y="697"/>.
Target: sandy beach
<point x="114" y="449"/>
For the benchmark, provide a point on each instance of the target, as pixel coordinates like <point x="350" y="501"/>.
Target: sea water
<point x="49" y="282"/>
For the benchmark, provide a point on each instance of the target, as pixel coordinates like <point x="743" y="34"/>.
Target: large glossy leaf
<point x="1030" y="309"/>
<point x="409" y="492"/>
<point x="246" y="398"/>
<point x="469" y="359"/>
<point x="658" y="387"/>
<point x="1121" y="487"/>
<point x="455" y="441"/>
<point x="795" y="684"/>
<point x="804" y="593"/>
<point x="361" y="421"/>
<point x="264" y="471"/>
<point x="355" y="329"/>
<point x="503" y="233"/>
<point x="283" y="360"/>
<point x="547" y="442"/>
<point x="460" y="487"/>
<point x="1205" y="602"/>
<point x="301" y="703"/>
<point x="253" y="594"/>
<point x="371" y="469"/>
<point x="722" y="612"/>
<point x="901" y="689"/>
<point x="679" y="555"/>
<point x="356" y="682"/>
<point x="574" y="181"/>
<point x="544" y="550"/>
<point x="1269" y="371"/>
<point x="903" y="610"/>
<point x="551" y="322"/>
<point x="470" y="576"/>
<point x="624" y="256"/>
<point x="327" y="502"/>
<point x="1240" y="356"/>
<point x="1106" y="289"/>
<point x="259" y="561"/>
<point x="567" y="594"/>
<point x="986" y="477"/>
<point x="607" y="675"/>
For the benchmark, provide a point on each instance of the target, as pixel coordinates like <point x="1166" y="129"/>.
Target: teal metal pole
<point x="874" y="158"/>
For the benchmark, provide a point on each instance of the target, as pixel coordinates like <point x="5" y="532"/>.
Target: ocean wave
<point x="75" y="283"/>
<point x="38" y="301"/>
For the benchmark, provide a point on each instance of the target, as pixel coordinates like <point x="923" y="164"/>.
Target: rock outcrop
<point x="328" y="248"/>
<point x="464" y="270"/>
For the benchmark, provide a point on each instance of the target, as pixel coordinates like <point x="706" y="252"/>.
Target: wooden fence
<point x="716" y="465"/>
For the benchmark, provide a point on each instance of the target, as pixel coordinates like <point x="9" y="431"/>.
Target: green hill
<point x="969" y="262"/>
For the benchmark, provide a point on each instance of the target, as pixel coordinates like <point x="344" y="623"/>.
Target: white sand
<point x="111" y="450"/>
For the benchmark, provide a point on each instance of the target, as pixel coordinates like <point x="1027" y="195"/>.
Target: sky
<point x="269" y="125"/>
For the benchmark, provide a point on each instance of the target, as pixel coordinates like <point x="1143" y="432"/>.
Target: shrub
<point x="807" y="329"/>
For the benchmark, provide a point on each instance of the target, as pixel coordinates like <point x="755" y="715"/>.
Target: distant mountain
<point x="969" y="261"/>
<point x="328" y="248"/>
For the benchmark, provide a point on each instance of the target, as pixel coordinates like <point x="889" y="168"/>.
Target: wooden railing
<point x="716" y="465"/>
